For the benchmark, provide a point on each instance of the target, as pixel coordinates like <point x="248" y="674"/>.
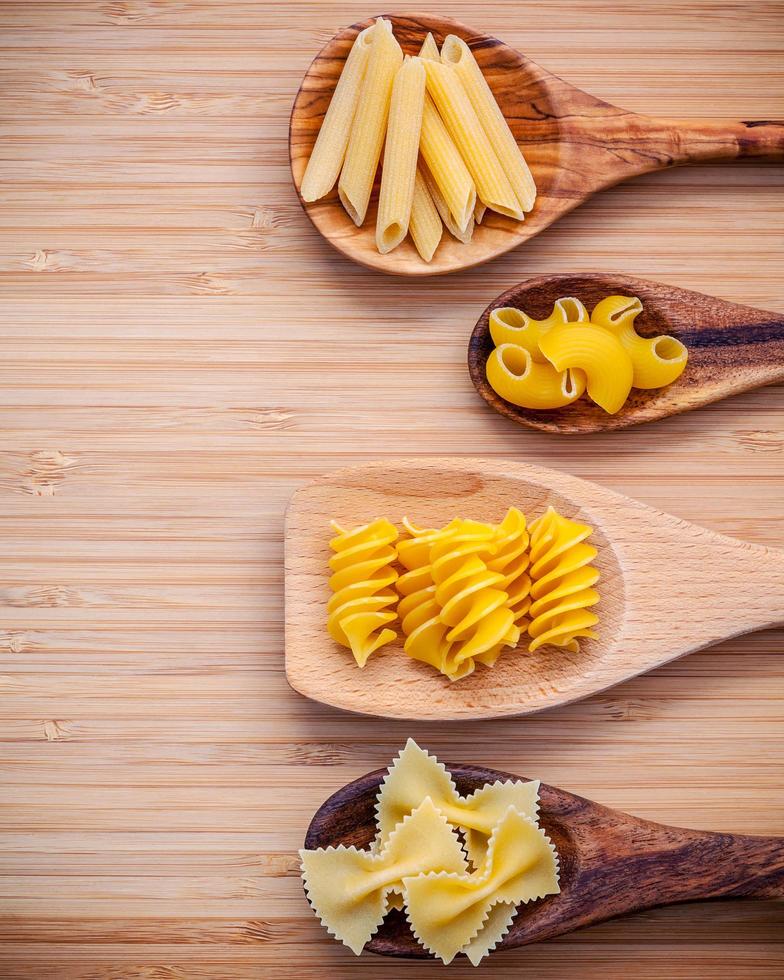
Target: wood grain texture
<point x="732" y="348"/>
<point x="645" y="559"/>
<point x="181" y="351"/>
<point x="574" y="143"/>
<point x="610" y="863"/>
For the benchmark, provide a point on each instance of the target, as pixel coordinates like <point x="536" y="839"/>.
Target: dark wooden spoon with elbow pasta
<point x="575" y="145"/>
<point x="732" y="348"/>
<point x="611" y="862"/>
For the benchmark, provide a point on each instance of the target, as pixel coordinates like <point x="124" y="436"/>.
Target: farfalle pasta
<point x="363" y="600"/>
<point x="415" y="774"/>
<point x="465" y="592"/>
<point x="417" y="862"/>
<point x="549" y="364"/>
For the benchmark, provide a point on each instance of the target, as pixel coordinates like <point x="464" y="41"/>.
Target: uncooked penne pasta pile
<point x="448" y="152"/>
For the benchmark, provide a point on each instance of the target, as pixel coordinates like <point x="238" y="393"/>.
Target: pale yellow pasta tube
<point x="456" y="52"/>
<point x="446" y="165"/>
<point x="425" y="226"/>
<point x="461" y="234"/>
<point x="597" y="352"/>
<point x="657" y="361"/>
<point x="511" y="326"/>
<point x="429" y="48"/>
<point x="464" y="127"/>
<point x="479" y="212"/>
<point x="369" y="126"/>
<point x="517" y="378"/>
<point x="329" y="150"/>
<point x="398" y="170"/>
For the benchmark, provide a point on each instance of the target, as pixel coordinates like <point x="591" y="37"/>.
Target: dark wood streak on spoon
<point x="612" y="863"/>
<point x="732" y="348"/>
<point x="575" y="145"/>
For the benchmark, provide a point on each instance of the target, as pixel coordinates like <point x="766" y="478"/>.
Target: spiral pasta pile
<point x="464" y="592"/>
<point x="547" y="364"/>
<point x="363" y="600"/>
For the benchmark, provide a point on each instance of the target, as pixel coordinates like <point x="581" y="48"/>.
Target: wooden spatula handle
<point x="709" y="139"/>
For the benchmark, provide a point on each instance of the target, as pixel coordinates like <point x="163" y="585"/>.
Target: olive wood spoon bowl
<point x="575" y="145"/>
<point x="732" y="348"/>
<point x="611" y="862"/>
<point x="667" y="588"/>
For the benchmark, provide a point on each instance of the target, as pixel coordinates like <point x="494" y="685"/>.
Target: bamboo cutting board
<point x="181" y="350"/>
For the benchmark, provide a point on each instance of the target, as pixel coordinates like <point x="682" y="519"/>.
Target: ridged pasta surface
<point x="362" y="582"/>
<point x="562" y="580"/>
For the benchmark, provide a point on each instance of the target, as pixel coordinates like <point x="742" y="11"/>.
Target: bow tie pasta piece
<point x="511" y="326"/>
<point x="416" y="775"/>
<point x="446" y="910"/>
<point x="496" y="926"/>
<point x="657" y="361"/>
<point x="349" y="889"/>
<point x="562" y="582"/>
<point x="363" y="599"/>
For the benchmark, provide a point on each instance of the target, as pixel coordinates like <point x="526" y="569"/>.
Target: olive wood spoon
<point x="611" y="862"/>
<point x="732" y="348"/>
<point x="575" y="145"/>
<point x="667" y="588"/>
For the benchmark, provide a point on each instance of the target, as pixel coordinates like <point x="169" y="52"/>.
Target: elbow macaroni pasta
<point x="548" y="364"/>
<point x="363" y="601"/>
<point x="656" y="361"/>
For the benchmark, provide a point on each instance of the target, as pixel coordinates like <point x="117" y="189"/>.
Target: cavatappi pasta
<point x="462" y="593"/>
<point x="469" y="158"/>
<point x="550" y="363"/>
<point x="455" y="903"/>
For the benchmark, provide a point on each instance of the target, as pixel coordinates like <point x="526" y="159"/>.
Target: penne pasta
<point x="479" y="212"/>
<point x="425" y="225"/>
<point x="462" y="122"/>
<point x="447" y="167"/>
<point x="462" y="235"/>
<point x="369" y="126"/>
<point x="329" y="150"/>
<point x="456" y="52"/>
<point x="401" y="152"/>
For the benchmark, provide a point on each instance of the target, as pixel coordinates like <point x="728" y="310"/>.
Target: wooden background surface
<point x="180" y="351"/>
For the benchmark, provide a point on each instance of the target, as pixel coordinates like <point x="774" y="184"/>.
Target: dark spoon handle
<point x="714" y="139"/>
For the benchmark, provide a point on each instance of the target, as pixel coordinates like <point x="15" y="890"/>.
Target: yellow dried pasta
<point x="656" y="361"/>
<point x="519" y="379"/>
<point x="446" y="910"/>
<point x="349" y="889"/>
<point x="599" y="355"/>
<point x="562" y="580"/>
<point x="363" y="600"/>
<point x="415" y="774"/>
<point x="425" y="225"/>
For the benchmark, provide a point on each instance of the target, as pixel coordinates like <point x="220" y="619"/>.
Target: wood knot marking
<point x="259" y="931"/>
<point x="627" y="709"/>
<point x="42" y="261"/>
<point x="128" y="12"/>
<point x="55" y="731"/>
<point x="158" y="102"/>
<point x="263" y="220"/>
<point x="47" y="471"/>
<point x="266" y="418"/>
<point x="760" y="441"/>
<point x="327" y="754"/>
<point x="45" y="597"/>
<point x="14" y="642"/>
<point x="84" y="80"/>
<point x="203" y="282"/>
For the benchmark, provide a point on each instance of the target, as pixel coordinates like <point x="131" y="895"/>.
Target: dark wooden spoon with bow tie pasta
<point x="575" y="145"/>
<point x="611" y="863"/>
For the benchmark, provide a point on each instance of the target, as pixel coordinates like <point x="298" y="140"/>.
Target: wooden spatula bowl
<point x="667" y="588"/>
<point x="732" y="348"/>
<point x="611" y="863"/>
<point x="575" y="145"/>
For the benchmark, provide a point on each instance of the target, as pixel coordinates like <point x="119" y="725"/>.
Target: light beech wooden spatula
<point x="575" y="145"/>
<point x="667" y="588"/>
<point x="611" y="863"/>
